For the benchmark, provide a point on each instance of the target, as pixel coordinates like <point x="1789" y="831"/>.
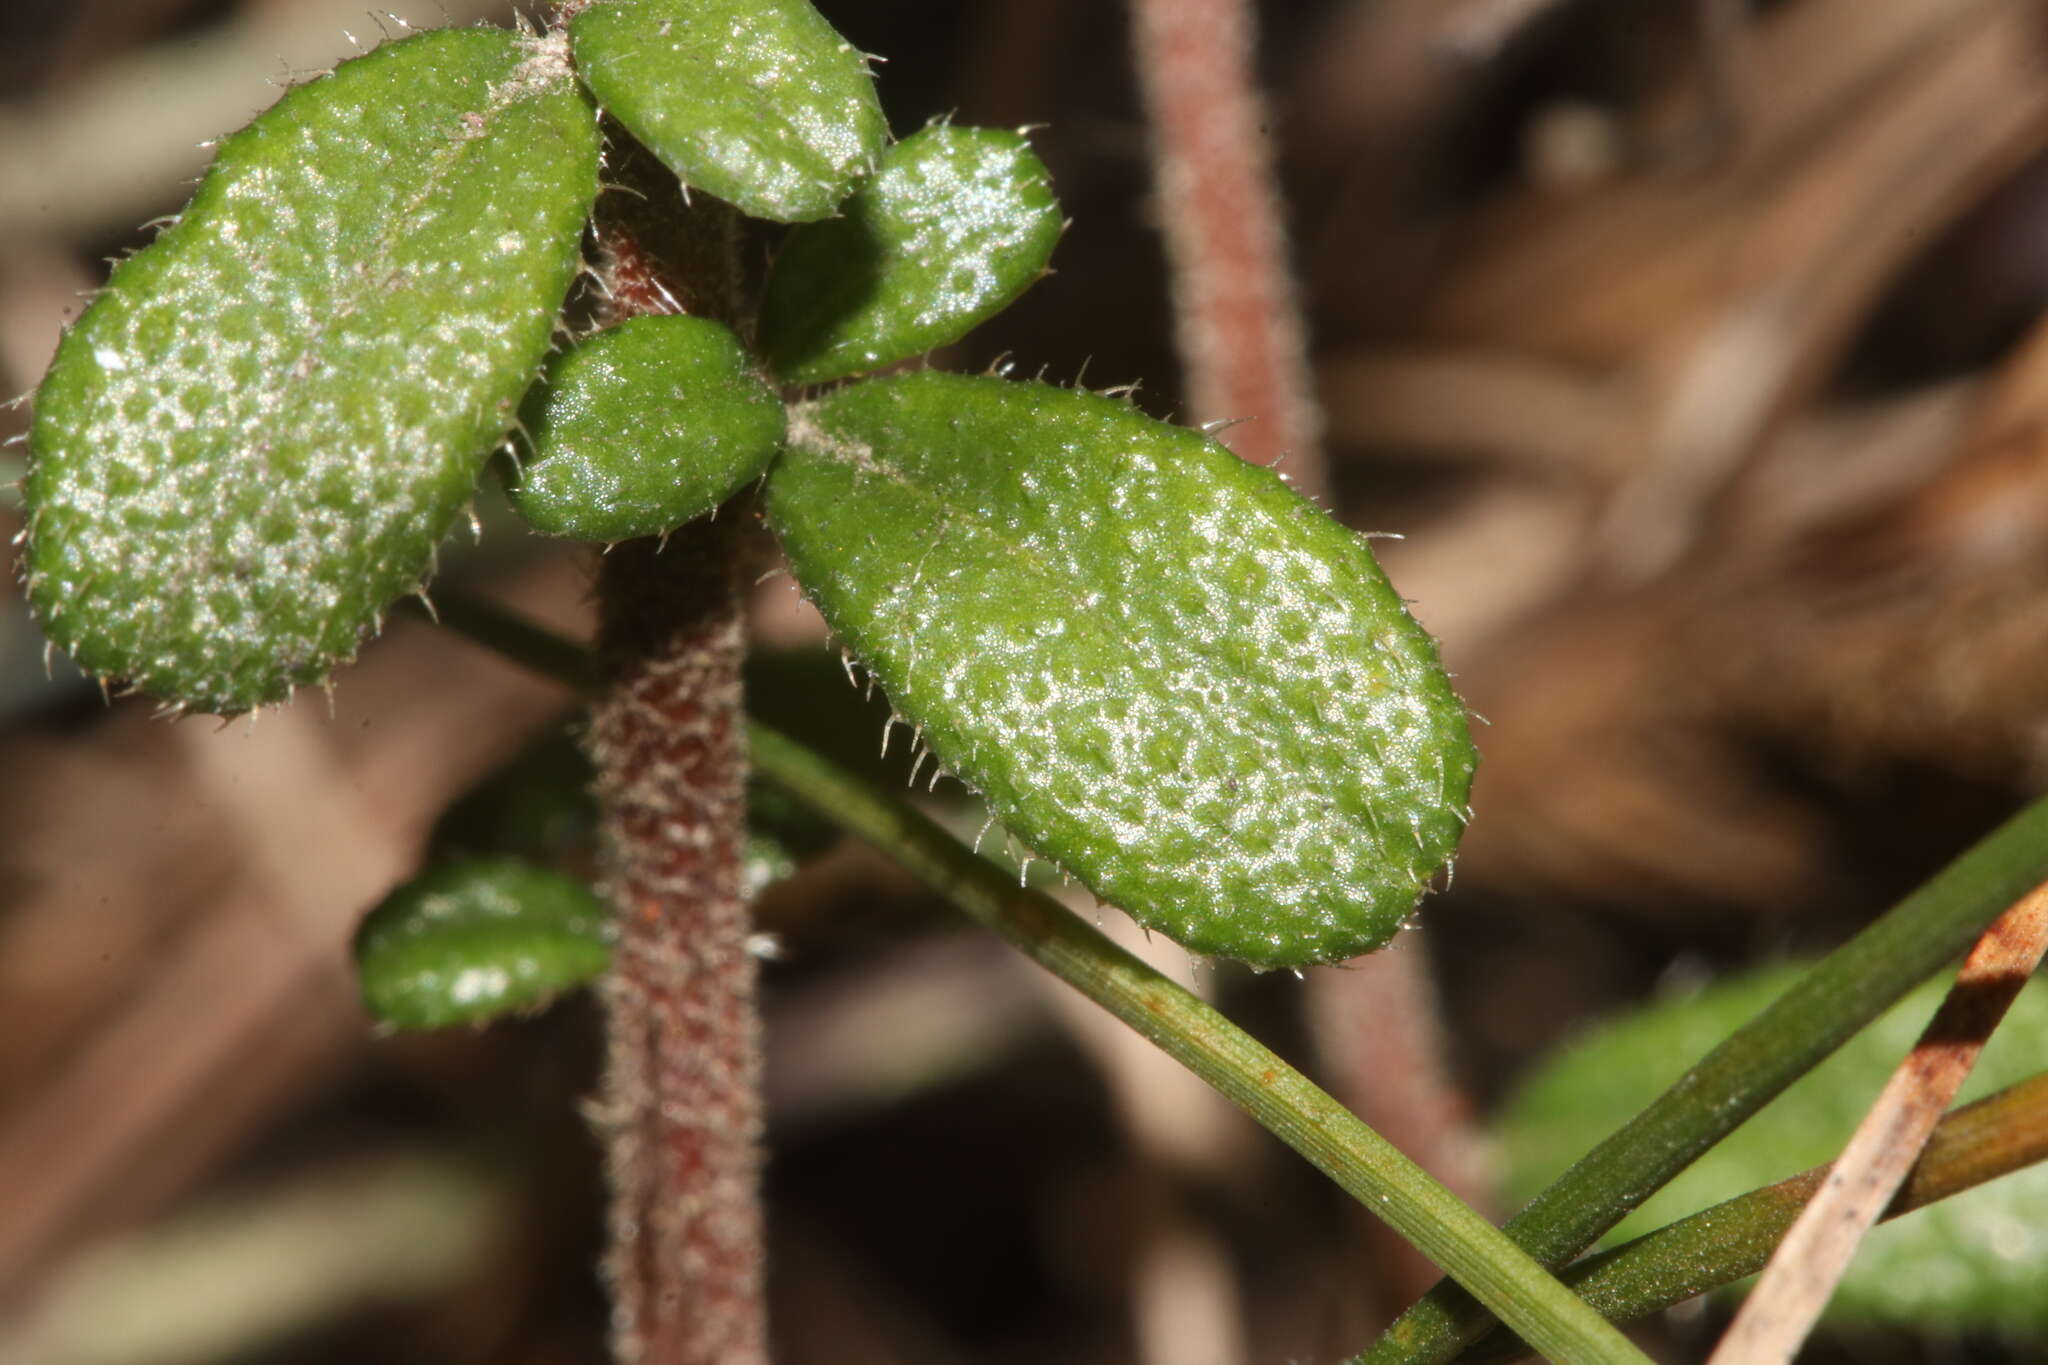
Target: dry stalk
<point x="1803" y="1271"/>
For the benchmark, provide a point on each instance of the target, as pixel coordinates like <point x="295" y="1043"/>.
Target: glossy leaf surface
<point x="759" y="102"/>
<point x="1167" y="672"/>
<point x="954" y="226"/>
<point x="468" y="941"/>
<point x="253" y="439"/>
<point x="1975" y="1260"/>
<point x="638" y="429"/>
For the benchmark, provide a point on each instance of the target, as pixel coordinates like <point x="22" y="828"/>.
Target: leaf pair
<point x="255" y="437"/>
<point x="638" y="429"/>
<point x="493" y="927"/>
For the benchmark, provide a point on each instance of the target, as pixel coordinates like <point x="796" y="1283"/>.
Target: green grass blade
<point x="1194" y="1034"/>
<point x="1848" y="989"/>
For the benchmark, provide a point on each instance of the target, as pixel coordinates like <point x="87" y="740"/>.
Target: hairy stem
<point x="1859" y="981"/>
<point x="680" y="1109"/>
<point x="1238" y="327"/>
<point x="1182" y="1025"/>
<point x="1244" y="355"/>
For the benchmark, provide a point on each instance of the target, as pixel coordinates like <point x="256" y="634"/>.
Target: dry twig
<point x="1804" y="1270"/>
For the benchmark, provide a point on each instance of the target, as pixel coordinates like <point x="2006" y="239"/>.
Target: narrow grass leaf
<point x="1972" y="1261"/>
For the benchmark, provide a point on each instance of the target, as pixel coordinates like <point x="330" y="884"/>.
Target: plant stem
<point x="1860" y="980"/>
<point x="1201" y="1039"/>
<point x="1238" y="328"/>
<point x="681" y="1103"/>
<point x="517" y="639"/>
<point x="1380" y="1034"/>
<point x="1845" y="991"/>
<point x="1996" y="1136"/>
<point x="1174" y="1019"/>
<point x="1979" y="1142"/>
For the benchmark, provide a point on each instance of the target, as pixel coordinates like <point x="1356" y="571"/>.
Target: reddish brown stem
<point x="1238" y="324"/>
<point x="681" y="1108"/>
<point x="681" y="1092"/>
<point x="1378" y="1028"/>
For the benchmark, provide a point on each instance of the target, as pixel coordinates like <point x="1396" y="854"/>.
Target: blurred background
<point x="1692" y="347"/>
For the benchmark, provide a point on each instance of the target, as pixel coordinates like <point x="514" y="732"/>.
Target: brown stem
<point x="1379" y="1031"/>
<point x="1239" y="328"/>
<point x="681" y="1108"/>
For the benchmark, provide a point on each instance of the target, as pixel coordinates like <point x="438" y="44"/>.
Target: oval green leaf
<point x="469" y="941"/>
<point x="251" y="442"/>
<point x="638" y="429"/>
<point x="759" y="102"/>
<point x="1166" y="671"/>
<point x="954" y="226"/>
<point x="1974" y="1261"/>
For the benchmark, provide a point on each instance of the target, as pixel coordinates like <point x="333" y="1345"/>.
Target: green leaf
<point x="759" y="102"/>
<point x="638" y="429"/>
<point x="1166" y="671"/>
<point x="1976" y="1260"/>
<point x="468" y="941"/>
<point x="250" y="443"/>
<point x="954" y="226"/>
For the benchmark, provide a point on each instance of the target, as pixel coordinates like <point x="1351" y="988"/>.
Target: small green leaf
<point x="468" y="941"/>
<point x="1976" y="1260"/>
<point x="638" y="429"/>
<point x="759" y="102"/>
<point x="250" y="443"/>
<point x="1166" y="671"/>
<point x="954" y="226"/>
